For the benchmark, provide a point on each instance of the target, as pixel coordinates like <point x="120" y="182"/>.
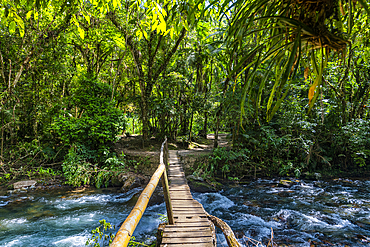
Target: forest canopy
<point x="288" y="80"/>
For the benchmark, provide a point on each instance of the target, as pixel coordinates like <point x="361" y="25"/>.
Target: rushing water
<point x="66" y="218"/>
<point x="333" y="213"/>
<point x="318" y="213"/>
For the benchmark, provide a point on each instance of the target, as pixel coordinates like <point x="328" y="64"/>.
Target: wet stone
<point x="24" y="184"/>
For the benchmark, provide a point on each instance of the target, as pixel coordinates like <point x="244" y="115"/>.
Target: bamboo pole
<point x="126" y="230"/>
<point x="124" y="234"/>
<point x="163" y="159"/>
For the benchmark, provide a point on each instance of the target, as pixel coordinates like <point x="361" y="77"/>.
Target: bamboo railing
<point x="126" y="230"/>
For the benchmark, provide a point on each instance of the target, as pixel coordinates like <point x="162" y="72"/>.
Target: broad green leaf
<point x="186" y="25"/>
<point x="115" y="3"/>
<point x="262" y="86"/>
<point x="29" y="14"/>
<point x="161" y="19"/>
<point x="277" y="105"/>
<point x="247" y="87"/>
<point x="36" y="15"/>
<point x="81" y="32"/>
<point x="162" y="27"/>
<point x="12" y="26"/>
<point x="145" y="34"/>
<point x="20" y="24"/>
<point x="87" y="17"/>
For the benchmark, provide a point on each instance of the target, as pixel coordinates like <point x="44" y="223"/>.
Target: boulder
<point x="132" y="181"/>
<point x="197" y="184"/>
<point x="24" y="184"/>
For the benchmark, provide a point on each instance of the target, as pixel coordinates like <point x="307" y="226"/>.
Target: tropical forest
<point x="250" y="116"/>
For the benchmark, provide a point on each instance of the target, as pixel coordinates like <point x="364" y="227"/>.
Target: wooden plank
<point x="179" y="206"/>
<point x="179" y="187"/>
<point x="187" y="234"/>
<point x="187" y="240"/>
<point x="193" y="224"/>
<point x="188" y="245"/>
<point x="189" y="202"/>
<point x="191" y="219"/>
<point x="179" y="193"/>
<point x="189" y="210"/>
<point x="176" y="228"/>
<point x="193" y="214"/>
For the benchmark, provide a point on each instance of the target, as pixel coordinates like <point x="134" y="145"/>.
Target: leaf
<point x="162" y="27"/>
<point x="311" y="91"/>
<point x="87" y="17"/>
<point x="118" y="40"/>
<point x="28" y="15"/>
<point x="81" y="32"/>
<point x="306" y="70"/>
<point x="186" y="25"/>
<point x="317" y="81"/>
<point x="115" y="3"/>
<point x="12" y="27"/>
<point x="145" y="34"/>
<point x="20" y="24"/>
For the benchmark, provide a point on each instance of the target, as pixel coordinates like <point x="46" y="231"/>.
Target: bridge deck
<point x="191" y="227"/>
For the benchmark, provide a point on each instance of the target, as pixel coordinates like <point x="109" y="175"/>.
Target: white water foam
<point x="78" y="240"/>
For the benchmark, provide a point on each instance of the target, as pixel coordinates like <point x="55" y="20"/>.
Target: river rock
<point x="198" y="184"/>
<point x="133" y="181"/>
<point x="24" y="184"/>
<point x="119" y="179"/>
<point x="285" y="183"/>
<point x="195" y="178"/>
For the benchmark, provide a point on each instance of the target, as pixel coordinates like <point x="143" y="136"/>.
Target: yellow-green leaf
<point x="87" y="17"/>
<point x="186" y="25"/>
<point x="115" y="3"/>
<point x="28" y="15"/>
<point x="81" y="32"/>
<point x="161" y="18"/>
<point x="12" y="27"/>
<point x="145" y="34"/>
<point x="166" y="32"/>
<point x="162" y="27"/>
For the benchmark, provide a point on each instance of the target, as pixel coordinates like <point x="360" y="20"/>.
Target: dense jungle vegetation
<point x="288" y="80"/>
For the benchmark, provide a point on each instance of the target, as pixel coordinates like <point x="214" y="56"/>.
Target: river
<point x="318" y="213"/>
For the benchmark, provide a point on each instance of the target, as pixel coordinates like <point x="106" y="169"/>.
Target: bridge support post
<point x="166" y="190"/>
<point x="166" y="193"/>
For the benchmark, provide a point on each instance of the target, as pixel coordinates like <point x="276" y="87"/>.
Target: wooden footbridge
<point x="188" y="223"/>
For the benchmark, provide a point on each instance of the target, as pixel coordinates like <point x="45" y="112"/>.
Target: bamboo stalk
<point x="126" y="230"/>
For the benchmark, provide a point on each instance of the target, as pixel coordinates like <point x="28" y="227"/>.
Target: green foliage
<point x="102" y="236"/>
<point x="90" y="134"/>
<point x="97" y="124"/>
<point x="79" y="171"/>
<point x="353" y="142"/>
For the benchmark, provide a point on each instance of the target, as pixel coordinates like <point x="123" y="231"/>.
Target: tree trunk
<point x="2" y="136"/>
<point x="205" y="127"/>
<point x="191" y="126"/>
<point x="144" y="118"/>
<point x="215" y="143"/>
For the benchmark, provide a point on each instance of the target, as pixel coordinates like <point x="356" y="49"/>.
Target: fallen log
<point x="226" y="230"/>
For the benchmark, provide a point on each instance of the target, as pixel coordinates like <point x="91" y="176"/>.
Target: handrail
<point x="126" y="230"/>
